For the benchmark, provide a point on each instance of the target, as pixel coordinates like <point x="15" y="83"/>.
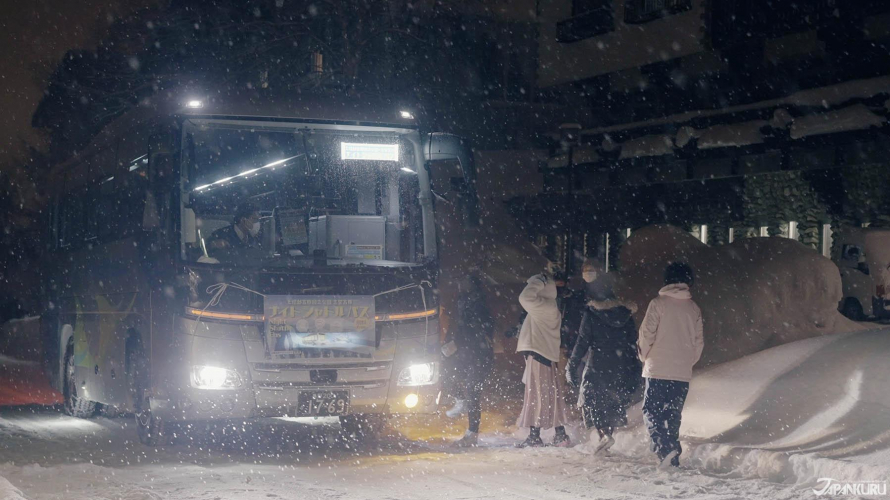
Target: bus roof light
<point x="195" y="104"/>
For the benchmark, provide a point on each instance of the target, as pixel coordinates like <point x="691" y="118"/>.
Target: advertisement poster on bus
<point x="338" y="322"/>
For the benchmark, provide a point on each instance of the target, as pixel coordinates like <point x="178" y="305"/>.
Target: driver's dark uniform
<point x="230" y="236"/>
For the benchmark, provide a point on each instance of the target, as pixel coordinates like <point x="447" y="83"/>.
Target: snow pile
<point x="754" y="293"/>
<point x="735" y="134"/>
<point x="648" y="145"/>
<point x="8" y="491"/>
<point x="855" y="117"/>
<point x="796" y="413"/>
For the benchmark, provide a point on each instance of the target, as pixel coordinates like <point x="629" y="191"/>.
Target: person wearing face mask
<point x="539" y="342"/>
<point x="242" y="234"/>
<point x="607" y="339"/>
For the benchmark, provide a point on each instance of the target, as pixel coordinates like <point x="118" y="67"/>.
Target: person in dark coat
<point x="471" y="353"/>
<point x="240" y="235"/>
<point x="607" y="339"/>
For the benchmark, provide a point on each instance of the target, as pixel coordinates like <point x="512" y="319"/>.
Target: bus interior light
<point x="195" y="104"/>
<point x="247" y="172"/>
<point x="406" y="114"/>
<point x="406" y="169"/>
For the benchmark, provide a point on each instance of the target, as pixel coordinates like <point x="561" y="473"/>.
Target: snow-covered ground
<point x="768" y="426"/>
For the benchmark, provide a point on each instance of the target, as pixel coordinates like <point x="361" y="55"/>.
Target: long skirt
<point x="544" y="405"/>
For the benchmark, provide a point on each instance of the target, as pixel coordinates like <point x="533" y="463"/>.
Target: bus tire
<point x="149" y="427"/>
<point x="362" y="428"/>
<point x="74" y="405"/>
<point x="853" y="309"/>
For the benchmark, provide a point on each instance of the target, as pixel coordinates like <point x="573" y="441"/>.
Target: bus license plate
<point x="322" y="403"/>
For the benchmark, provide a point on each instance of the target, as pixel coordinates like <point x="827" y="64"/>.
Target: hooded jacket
<point x="671" y="339"/>
<point x="540" y="330"/>
<point x="609" y="334"/>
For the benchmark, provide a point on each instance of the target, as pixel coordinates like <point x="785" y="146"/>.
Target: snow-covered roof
<point x="856" y="116"/>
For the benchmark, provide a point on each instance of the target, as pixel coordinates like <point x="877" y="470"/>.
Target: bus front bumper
<point x="257" y="401"/>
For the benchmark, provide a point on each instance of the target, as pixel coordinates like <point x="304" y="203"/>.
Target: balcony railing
<point x="642" y="11"/>
<point x="735" y="21"/>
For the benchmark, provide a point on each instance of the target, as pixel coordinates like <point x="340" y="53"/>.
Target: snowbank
<point x="794" y="414"/>
<point x="754" y="293"/>
<point x="8" y="491"/>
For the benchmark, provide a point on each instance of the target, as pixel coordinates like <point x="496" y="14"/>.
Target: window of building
<point x="641" y="11"/>
<point x="590" y="18"/>
<point x="827" y="240"/>
<point x="793" y="232"/>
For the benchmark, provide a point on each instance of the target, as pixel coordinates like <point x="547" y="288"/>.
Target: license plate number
<point x="322" y="403"/>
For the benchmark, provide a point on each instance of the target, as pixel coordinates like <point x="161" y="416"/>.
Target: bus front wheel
<point x="74" y="405"/>
<point x="149" y="427"/>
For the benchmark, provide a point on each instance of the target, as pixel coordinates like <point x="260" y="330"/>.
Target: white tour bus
<point x="319" y="300"/>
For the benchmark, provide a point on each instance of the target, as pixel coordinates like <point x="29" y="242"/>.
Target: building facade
<point x="732" y="119"/>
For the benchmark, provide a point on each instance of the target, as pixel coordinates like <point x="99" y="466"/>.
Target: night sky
<point x="34" y="35"/>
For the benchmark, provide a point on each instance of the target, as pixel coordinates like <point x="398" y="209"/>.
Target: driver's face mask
<point x="255" y="228"/>
<point x="589" y="276"/>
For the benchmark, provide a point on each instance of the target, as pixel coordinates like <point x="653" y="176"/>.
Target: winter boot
<point x="531" y="441"/>
<point x="670" y="460"/>
<point x="561" y="440"/>
<point x="603" y="445"/>
<point x="470" y="440"/>
<point x="459" y="409"/>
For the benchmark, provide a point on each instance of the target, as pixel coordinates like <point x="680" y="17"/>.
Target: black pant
<point x="467" y="373"/>
<point x="474" y="404"/>
<point x="662" y="407"/>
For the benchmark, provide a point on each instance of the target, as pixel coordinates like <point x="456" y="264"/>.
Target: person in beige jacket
<point x="539" y="341"/>
<point x="669" y="345"/>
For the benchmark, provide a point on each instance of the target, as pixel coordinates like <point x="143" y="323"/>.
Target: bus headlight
<point x="213" y="377"/>
<point x="421" y="374"/>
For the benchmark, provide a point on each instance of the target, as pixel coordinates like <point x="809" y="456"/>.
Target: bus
<point x="231" y="259"/>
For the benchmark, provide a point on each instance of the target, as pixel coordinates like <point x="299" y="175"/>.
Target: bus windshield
<point x="277" y="195"/>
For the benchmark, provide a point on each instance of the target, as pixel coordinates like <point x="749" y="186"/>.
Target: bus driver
<point x="242" y="234"/>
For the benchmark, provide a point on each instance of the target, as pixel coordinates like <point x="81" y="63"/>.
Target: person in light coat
<point x="539" y="341"/>
<point x="670" y="343"/>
